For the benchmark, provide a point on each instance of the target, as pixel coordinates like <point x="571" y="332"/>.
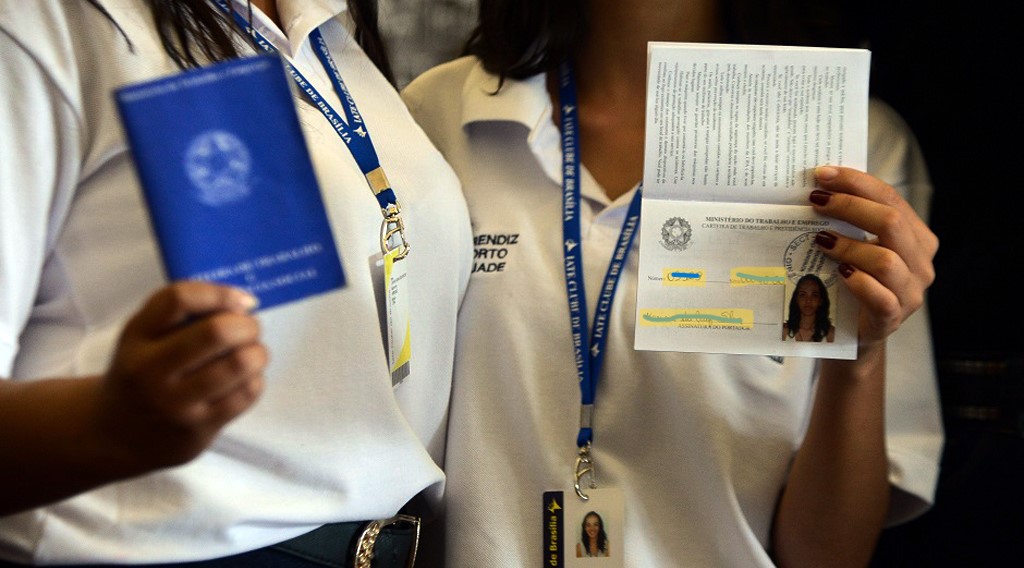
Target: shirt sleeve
<point x="914" y="433"/>
<point x="39" y="147"/>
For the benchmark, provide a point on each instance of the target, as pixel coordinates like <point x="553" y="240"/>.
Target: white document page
<point x="733" y="135"/>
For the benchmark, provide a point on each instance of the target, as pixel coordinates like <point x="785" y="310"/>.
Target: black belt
<point x="388" y="543"/>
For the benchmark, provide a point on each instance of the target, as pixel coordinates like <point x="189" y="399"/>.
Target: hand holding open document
<point x="733" y="133"/>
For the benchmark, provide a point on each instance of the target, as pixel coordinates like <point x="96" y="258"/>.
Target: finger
<point x="219" y="377"/>
<point x="853" y="182"/>
<point x="856" y="182"/>
<point x="190" y="400"/>
<point x="872" y="205"/>
<point x="215" y="412"/>
<point x="881" y="312"/>
<point x="908" y="237"/>
<point x="914" y="245"/>
<point x="236" y="401"/>
<point x="179" y="302"/>
<point x="883" y="265"/>
<point x="195" y="344"/>
<point x="871" y="216"/>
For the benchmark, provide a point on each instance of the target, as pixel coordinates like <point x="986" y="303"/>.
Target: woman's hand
<point x="187" y="363"/>
<point x="889" y="273"/>
<point x="837" y="494"/>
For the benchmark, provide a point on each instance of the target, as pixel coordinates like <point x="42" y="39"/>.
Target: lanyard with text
<point x="589" y="354"/>
<point x="393" y="244"/>
<point x="352" y="131"/>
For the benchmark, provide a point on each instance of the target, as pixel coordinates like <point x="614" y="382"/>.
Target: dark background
<point x="953" y="72"/>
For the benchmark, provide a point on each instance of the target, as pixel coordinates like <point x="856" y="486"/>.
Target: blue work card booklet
<point x="228" y="180"/>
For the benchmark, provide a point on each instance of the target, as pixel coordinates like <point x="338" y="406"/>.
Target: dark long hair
<point x="822" y="321"/>
<point x="519" y="38"/>
<point x="602" y="537"/>
<point x="193" y="31"/>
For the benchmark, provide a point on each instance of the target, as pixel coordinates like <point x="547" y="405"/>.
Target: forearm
<point x="51" y="443"/>
<point x="187" y="363"/>
<point x="835" y="501"/>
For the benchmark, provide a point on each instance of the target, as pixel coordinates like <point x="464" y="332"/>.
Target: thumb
<point x="177" y="303"/>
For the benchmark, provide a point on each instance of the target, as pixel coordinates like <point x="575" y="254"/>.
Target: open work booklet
<point x="726" y="231"/>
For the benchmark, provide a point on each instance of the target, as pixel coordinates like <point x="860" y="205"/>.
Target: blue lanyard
<point x="589" y="355"/>
<point x="352" y="130"/>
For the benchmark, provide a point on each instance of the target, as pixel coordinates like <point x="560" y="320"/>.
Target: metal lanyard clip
<point x="392" y="211"/>
<point x="584" y="467"/>
<point x="392" y="226"/>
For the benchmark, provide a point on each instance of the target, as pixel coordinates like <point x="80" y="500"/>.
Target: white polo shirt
<point x="699" y="444"/>
<point x="331" y="439"/>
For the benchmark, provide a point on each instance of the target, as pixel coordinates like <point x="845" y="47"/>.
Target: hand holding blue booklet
<point x="228" y="180"/>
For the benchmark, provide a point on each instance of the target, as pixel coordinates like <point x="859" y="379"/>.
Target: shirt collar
<point x="528" y="103"/>
<point x="524" y="101"/>
<point x="299" y="18"/>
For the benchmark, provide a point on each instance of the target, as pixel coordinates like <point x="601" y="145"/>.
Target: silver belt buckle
<point x="368" y="539"/>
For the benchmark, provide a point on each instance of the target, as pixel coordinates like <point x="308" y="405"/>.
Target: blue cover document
<point x="228" y="180"/>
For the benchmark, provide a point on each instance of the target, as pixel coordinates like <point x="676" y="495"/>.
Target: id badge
<point x="399" y="330"/>
<point x="584" y="534"/>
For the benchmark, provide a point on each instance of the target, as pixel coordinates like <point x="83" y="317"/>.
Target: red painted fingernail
<point x="846" y="270"/>
<point x="825" y="240"/>
<point x="820" y="197"/>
